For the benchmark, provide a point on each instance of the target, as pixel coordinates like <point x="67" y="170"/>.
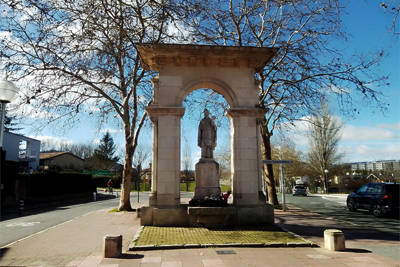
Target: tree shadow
<point x="311" y="225"/>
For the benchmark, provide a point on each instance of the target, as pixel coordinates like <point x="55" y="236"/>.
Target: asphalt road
<point x="14" y="227"/>
<point x="334" y="206"/>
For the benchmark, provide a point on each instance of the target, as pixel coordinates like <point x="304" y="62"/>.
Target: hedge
<point x="47" y="184"/>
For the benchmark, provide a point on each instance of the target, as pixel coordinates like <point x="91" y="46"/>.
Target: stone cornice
<point x="246" y="112"/>
<point x="154" y="111"/>
<point x="155" y="56"/>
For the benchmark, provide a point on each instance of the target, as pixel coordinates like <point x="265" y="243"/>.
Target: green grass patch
<point x="188" y="186"/>
<point x="117" y="210"/>
<point x="225" y="188"/>
<point x="279" y="207"/>
<point x="157" y="236"/>
<point x="114" y="210"/>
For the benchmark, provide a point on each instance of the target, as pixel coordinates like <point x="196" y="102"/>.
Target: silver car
<point x="299" y="190"/>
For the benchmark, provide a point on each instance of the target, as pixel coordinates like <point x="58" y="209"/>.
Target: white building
<point x="21" y="148"/>
<point x="379" y="165"/>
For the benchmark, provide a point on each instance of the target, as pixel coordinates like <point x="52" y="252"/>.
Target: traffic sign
<point x="322" y="179"/>
<point x="277" y="161"/>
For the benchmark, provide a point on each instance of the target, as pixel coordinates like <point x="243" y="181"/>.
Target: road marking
<point x="22" y="224"/>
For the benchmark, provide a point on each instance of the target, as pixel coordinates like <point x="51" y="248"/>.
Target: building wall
<point x="64" y="161"/>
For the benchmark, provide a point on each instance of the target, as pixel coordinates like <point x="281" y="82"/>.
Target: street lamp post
<point x="8" y="93"/>
<point x="326" y="182"/>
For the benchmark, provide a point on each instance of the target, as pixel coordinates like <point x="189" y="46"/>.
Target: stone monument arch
<point x="230" y="71"/>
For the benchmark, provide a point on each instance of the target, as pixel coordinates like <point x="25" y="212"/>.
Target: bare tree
<point x="223" y="157"/>
<point x="142" y="154"/>
<point x="307" y="66"/>
<point x="389" y="6"/>
<point x="324" y="137"/>
<point x="187" y="164"/>
<point x="77" y="59"/>
<point x="285" y="149"/>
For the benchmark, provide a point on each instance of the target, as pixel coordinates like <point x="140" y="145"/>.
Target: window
<point x="363" y="189"/>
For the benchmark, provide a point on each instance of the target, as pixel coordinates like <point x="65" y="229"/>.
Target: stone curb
<point x="251" y="245"/>
<point x="310" y="243"/>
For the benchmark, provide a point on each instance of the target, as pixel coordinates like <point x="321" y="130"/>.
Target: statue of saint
<point x="207" y="135"/>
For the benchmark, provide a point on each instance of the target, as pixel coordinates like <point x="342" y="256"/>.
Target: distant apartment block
<point x="379" y="165"/>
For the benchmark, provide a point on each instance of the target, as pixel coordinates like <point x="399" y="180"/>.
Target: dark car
<point x="378" y="198"/>
<point x="299" y="190"/>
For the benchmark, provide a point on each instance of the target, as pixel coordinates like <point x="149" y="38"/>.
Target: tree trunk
<point x="266" y="155"/>
<point x="125" y="201"/>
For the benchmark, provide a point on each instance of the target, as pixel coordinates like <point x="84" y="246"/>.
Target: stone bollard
<point x="334" y="240"/>
<point x="94" y="196"/>
<point x="112" y="247"/>
<point x="138" y="213"/>
<point x="21" y="207"/>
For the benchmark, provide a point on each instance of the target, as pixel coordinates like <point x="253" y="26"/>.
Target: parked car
<point x="378" y="198"/>
<point x="299" y="190"/>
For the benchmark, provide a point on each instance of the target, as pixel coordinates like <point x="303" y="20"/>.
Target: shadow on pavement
<point x="11" y="213"/>
<point x="3" y="251"/>
<point x="132" y="256"/>
<point x="357" y="250"/>
<point x="312" y="226"/>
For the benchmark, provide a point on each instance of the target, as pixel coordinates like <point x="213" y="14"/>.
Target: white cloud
<point x="395" y="126"/>
<point x="361" y="134"/>
<point x="52" y="139"/>
<point x="371" y="153"/>
<point x="111" y="131"/>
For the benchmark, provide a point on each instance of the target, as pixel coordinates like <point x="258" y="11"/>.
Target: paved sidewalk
<point x="79" y="243"/>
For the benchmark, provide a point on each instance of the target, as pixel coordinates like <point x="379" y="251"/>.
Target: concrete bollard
<point x="334" y="240"/>
<point x="138" y="213"/>
<point x="112" y="246"/>
<point x="94" y="196"/>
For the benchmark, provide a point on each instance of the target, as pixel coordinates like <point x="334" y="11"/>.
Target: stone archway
<point x="230" y="72"/>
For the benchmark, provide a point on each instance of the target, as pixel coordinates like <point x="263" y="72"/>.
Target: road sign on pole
<point x="277" y="161"/>
<point x="282" y="176"/>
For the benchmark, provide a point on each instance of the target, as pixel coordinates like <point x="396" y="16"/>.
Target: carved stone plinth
<point x="207" y="178"/>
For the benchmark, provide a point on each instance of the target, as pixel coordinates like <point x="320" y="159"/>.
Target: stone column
<point x="166" y="155"/>
<point x="246" y="161"/>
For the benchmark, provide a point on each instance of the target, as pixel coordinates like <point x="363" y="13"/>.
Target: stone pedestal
<point x="207" y="178"/>
<point x="334" y="240"/>
<point x="112" y="246"/>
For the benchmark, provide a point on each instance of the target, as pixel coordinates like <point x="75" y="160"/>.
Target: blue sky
<point x="368" y="136"/>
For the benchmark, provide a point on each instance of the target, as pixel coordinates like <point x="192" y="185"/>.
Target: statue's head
<point x="206" y="113"/>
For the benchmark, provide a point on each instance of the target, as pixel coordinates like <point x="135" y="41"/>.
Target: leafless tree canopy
<point x="324" y="137"/>
<point x="307" y="67"/>
<point x="77" y="59"/>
